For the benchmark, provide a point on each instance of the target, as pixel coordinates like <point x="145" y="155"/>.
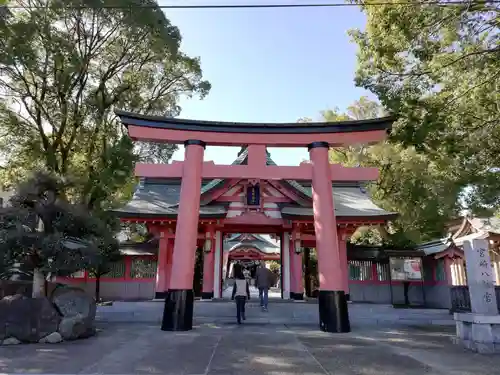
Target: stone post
<point x="480" y="329"/>
<point x="344" y="263"/>
<point x="162" y="265"/>
<point x="208" y="268"/>
<point x="481" y="286"/>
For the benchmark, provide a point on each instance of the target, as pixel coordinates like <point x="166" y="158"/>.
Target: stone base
<point x="161" y="295"/>
<point x="207" y="295"/>
<point x="333" y="312"/>
<point x="296" y="296"/>
<point x="178" y="310"/>
<point x="478" y="332"/>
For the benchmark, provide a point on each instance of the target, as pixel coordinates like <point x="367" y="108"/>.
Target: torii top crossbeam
<point x="174" y="130"/>
<point x="258" y="136"/>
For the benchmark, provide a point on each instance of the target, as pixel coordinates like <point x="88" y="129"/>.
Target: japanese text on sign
<point x="253" y="195"/>
<point x="488" y="297"/>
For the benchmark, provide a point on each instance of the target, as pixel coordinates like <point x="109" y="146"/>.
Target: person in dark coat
<point x="241" y="292"/>
<point x="263" y="280"/>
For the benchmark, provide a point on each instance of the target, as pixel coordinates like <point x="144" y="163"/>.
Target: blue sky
<point x="269" y="65"/>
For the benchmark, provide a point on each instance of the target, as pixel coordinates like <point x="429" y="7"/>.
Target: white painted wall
<point x="217" y="264"/>
<point x="286" y="265"/>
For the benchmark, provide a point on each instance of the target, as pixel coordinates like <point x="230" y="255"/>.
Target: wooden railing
<point x="460" y="298"/>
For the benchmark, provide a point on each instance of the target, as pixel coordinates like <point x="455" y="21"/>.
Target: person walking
<point x="241" y="291"/>
<point x="263" y="280"/>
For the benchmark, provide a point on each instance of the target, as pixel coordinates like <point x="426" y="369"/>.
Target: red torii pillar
<point x="333" y="313"/>
<point x="179" y="303"/>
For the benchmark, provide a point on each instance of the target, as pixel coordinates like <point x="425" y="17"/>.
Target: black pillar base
<point x="296" y="296"/>
<point x="207" y="295"/>
<point x="333" y="312"/>
<point x="160" y="295"/>
<point x="178" y="310"/>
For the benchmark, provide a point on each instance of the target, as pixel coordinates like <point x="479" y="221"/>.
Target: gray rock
<point x="4" y="312"/>
<point x="11" y="341"/>
<point x="75" y="327"/>
<point x="78" y="310"/>
<point x="28" y="319"/>
<point x="53" y="338"/>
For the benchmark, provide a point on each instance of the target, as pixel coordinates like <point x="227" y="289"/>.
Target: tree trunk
<point x="38" y="276"/>
<point x="38" y="284"/>
<point x="97" y="287"/>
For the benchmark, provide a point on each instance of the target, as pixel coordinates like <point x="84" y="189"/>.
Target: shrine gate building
<point x="193" y="204"/>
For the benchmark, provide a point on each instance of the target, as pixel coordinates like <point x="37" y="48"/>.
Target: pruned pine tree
<point x="43" y="233"/>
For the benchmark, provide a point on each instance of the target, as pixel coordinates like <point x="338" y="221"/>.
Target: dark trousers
<point x="240" y="307"/>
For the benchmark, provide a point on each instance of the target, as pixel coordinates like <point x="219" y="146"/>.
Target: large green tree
<point x="65" y="66"/>
<point x="437" y="66"/>
<point x="422" y="191"/>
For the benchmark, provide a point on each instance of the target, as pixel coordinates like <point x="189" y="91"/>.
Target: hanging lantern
<point x="298" y="244"/>
<point x="207" y="248"/>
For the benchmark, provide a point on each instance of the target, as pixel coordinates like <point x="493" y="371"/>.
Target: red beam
<point x="301" y="172"/>
<point x="141" y="133"/>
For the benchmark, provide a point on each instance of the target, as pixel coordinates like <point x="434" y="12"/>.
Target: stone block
<point x="75" y="327"/>
<point x="495" y="330"/>
<point x="74" y="301"/>
<point x="53" y="338"/>
<point x="468" y="344"/>
<point x="5" y="305"/>
<point x="28" y="319"/>
<point x="78" y="310"/>
<point x="11" y="341"/>
<point x="463" y="330"/>
<point x="478" y="333"/>
<point x="482" y="333"/>
<point x="484" y="348"/>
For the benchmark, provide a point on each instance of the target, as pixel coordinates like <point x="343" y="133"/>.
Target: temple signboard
<point x="406" y="269"/>
<point x="253" y="195"/>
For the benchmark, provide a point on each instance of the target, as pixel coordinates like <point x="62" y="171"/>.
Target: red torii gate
<point x="195" y="135"/>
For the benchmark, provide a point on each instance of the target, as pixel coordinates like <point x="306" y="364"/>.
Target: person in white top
<point x="241" y="292"/>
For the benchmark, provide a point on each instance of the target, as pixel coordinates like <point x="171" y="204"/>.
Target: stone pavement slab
<point x="273" y="349"/>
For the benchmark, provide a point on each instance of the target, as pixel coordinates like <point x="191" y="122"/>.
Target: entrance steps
<point x="255" y="301"/>
<point x="280" y="312"/>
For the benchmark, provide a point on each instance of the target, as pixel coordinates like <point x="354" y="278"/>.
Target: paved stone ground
<point x="279" y="313"/>
<point x="273" y="349"/>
